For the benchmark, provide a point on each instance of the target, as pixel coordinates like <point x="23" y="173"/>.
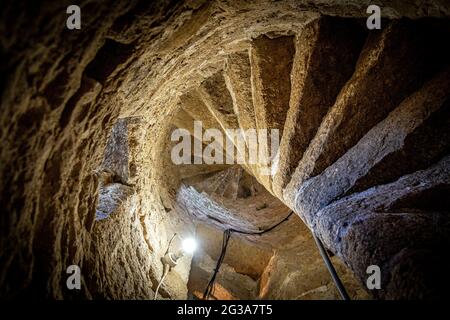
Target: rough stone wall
<point x="300" y="273"/>
<point x="62" y="97"/>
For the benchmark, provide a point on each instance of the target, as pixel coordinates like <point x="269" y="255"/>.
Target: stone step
<point x="216" y="96"/>
<point x="364" y="100"/>
<point x="271" y="64"/>
<point x="325" y="57"/>
<point x="402" y="143"/>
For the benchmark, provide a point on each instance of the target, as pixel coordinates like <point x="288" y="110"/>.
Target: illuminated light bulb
<point x="189" y="245"/>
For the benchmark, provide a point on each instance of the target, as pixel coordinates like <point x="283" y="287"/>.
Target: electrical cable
<point x="210" y="287"/>
<point x="226" y="237"/>
<point x="331" y="269"/>
<point x="263" y="231"/>
<point x="170" y="242"/>
<point x="166" y="272"/>
<point x="165" y="266"/>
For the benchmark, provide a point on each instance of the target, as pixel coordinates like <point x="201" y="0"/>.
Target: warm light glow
<point x="189" y="245"/>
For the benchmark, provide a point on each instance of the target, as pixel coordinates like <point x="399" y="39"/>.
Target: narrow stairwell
<point x="342" y="132"/>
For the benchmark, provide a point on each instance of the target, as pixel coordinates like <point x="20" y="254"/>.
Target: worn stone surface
<point x="229" y="285"/>
<point x="271" y="63"/>
<point x="364" y="102"/>
<point x="381" y="145"/>
<point x="402" y="227"/>
<point x="384" y="145"/>
<point x="325" y="58"/>
<point x="300" y="274"/>
<point x="238" y="80"/>
<point x="243" y="256"/>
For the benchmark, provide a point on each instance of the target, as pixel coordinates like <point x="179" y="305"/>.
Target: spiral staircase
<point x="364" y="126"/>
